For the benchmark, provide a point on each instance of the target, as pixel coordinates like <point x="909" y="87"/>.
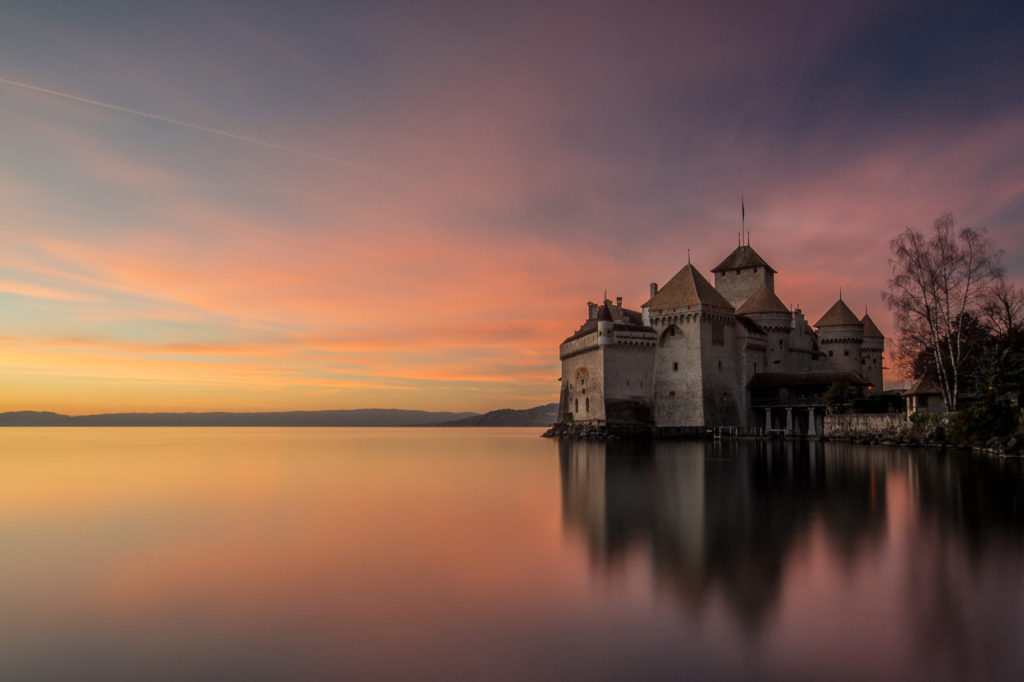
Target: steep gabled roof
<point x="926" y="385"/>
<point x="871" y="330"/>
<point x="838" y="315"/>
<point x="763" y="300"/>
<point x="687" y="287"/>
<point x="743" y="257"/>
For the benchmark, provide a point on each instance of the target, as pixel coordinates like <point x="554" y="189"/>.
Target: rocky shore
<point x="597" y="432"/>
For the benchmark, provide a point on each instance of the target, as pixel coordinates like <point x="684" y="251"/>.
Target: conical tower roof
<point x="743" y="257"/>
<point x="763" y="300"/>
<point x="871" y="330"/>
<point x="687" y="287"/>
<point x="838" y="315"/>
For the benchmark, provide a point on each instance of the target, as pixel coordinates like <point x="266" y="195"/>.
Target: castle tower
<point x="771" y="315"/>
<point x="840" y="337"/>
<point x="871" y="353"/>
<point x="696" y="369"/>
<point x="741" y="274"/>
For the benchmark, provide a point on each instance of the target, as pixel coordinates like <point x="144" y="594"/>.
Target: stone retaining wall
<point x="872" y="427"/>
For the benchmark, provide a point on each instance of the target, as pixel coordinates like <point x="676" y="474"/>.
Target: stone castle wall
<point x="738" y="286"/>
<point x="583" y="380"/>
<point x="629" y="380"/>
<point x="721" y="371"/>
<point x="678" y="381"/>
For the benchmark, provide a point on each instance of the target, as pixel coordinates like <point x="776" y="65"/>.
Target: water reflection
<point x="732" y="517"/>
<point x="494" y="554"/>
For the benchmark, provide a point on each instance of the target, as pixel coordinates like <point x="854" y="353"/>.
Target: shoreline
<point x="1011" y="446"/>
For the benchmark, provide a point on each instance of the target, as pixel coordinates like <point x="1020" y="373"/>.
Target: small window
<point x="671" y="331"/>
<point x="830" y="353"/>
<point x="671" y="394"/>
<point x="588" y="404"/>
<point x="675" y="366"/>
<point x="780" y="343"/>
<point x="846" y="352"/>
<point x="863" y="361"/>
<point x="719" y="364"/>
<point x="577" y="405"/>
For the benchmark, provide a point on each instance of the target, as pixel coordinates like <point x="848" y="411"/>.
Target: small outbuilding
<point x="924" y="397"/>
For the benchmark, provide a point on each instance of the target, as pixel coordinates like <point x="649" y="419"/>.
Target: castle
<point x="699" y="357"/>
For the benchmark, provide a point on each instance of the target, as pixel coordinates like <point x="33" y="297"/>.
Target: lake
<point x="440" y="554"/>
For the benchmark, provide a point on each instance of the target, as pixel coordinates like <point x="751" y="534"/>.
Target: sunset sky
<point x="408" y="204"/>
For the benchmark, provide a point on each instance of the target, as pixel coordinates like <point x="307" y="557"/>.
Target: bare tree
<point x="938" y="285"/>
<point x="1003" y="308"/>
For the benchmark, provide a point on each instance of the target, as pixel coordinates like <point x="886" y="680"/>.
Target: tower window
<point x="719" y="364"/>
<point x="588" y="404"/>
<point x="846" y="352"/>
<point x="675" y="366"/>
<point x="830" y="353"/>
<point x="671" y="331"/>
<point x="577" y="408"/>
<point x="671" y="394"/>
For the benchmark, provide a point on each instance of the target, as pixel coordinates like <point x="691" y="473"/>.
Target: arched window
<point x="588" y="404"/>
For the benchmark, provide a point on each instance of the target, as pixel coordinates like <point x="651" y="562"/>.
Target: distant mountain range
<point x="534" y="416"/>
<point x="542" y="415"/>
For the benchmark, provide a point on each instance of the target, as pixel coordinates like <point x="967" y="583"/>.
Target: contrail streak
<point x="212" y="131"/>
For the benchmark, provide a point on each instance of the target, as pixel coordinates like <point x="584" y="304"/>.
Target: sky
<point x="331" y="205"/>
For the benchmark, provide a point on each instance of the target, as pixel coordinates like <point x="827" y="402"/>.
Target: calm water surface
<point x="290" y="554"/>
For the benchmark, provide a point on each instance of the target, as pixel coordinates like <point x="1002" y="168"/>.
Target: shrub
<point x="983" y="420"/>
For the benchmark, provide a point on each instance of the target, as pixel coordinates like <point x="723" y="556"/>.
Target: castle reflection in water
<point x="729" y="517"/>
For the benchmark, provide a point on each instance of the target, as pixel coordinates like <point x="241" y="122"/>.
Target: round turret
<point x="840" y="337"/>
<point x="871" y="353"/>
